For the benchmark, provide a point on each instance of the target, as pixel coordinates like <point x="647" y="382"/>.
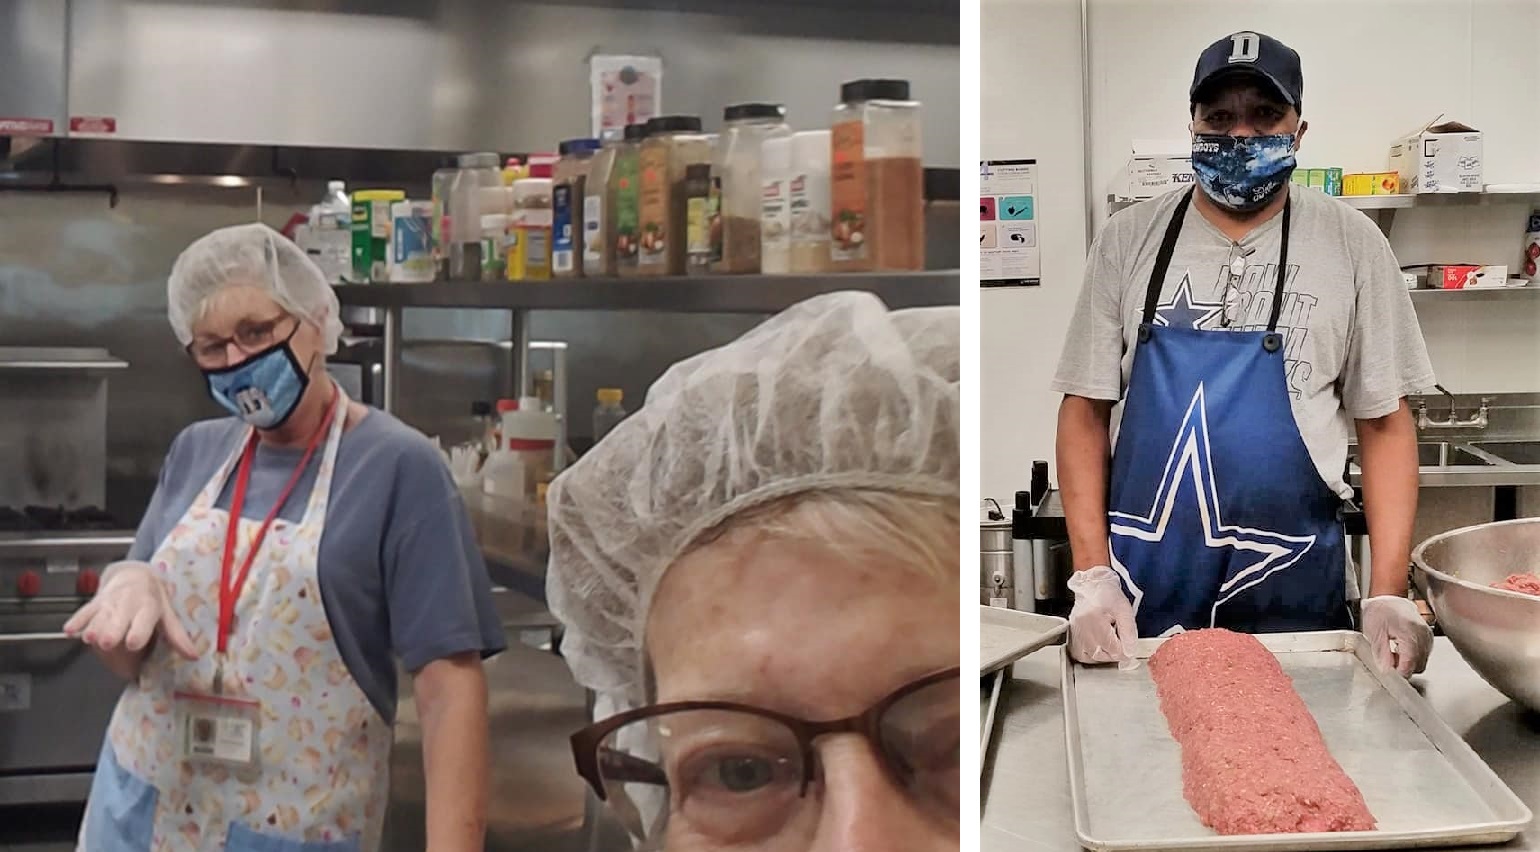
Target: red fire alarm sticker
<point x="93" y="124"/>
<point x="25" y="126"/>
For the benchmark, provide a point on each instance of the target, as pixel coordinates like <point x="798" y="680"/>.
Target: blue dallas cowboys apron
<point x="1218" y="517"/>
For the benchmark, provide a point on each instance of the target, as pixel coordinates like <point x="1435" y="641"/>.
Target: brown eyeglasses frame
<point x="226" y="342"/>
<point x="586" y="742"/>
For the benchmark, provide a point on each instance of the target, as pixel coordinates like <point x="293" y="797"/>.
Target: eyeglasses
<point x="251" y="337"/>
<point x="719" y="775"/>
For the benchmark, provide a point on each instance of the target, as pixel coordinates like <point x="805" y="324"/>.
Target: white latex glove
<point x="1402" y="640"/>
<point x="1101" y="624"/>
<point x="129" y="609"/>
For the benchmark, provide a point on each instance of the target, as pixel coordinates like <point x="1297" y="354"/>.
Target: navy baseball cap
<point x="1254" y="54"/>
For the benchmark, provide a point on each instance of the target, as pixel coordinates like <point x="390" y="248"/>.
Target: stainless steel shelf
<point x="1476" y="294"/>
<point x="736" y="294"/>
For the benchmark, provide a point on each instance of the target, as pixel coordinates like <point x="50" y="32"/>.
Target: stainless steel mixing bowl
<point x="1497" y="632"/>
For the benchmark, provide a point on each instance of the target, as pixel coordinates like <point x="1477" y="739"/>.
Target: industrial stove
<point x="55" y="697"/>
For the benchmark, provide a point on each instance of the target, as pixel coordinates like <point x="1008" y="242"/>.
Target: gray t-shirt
<point x="1353" y="348"/>
<point x="401" y="575"/>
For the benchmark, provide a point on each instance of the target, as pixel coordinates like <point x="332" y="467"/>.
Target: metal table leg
<point x="392" y="359"/>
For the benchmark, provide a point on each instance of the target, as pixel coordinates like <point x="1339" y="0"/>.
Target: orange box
<point x="1387" y="183"/>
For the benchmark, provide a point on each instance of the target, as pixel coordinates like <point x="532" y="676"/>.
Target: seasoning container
<point x="571" y="178"/>
<point x="745" y="129"/>
<point x="625" y="195"/>
<point x="371" y="232"/>
<point x="529" y="229"/>
<point x="477" y="172"/>
<point x="775" y="206"/>
<point x="673" y="143"/>
<point x="410" y="259"/>
<point x="494" y="251"/>
<point x="700" y="220"/>
<point x="443" y="183"/>
<point x="809" y="190"/>
<point x="877" y="178"/>
<point x="598" y="249"/>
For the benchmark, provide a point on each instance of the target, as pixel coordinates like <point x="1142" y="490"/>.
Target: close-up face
<point x="797" y="628"/>
<point x="1242" y="107"/>
<point x="242" y="321"/>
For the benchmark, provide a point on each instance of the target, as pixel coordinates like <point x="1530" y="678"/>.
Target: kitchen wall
<point x="1030" y="106"/>
<point x="1374" y="69"/>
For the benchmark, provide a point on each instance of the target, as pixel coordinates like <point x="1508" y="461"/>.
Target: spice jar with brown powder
<point x="745" y="129"/>
<point x="673" y="143"/>
<point x="877" y="179"/>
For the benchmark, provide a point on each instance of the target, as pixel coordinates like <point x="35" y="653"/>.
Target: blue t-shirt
<point x="401" y="575"/>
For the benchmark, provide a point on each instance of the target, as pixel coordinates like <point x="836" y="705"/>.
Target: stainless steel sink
<point x="1446" y="454"/>
<point x="1517" y="452"/>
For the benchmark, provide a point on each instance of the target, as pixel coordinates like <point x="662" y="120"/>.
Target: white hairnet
<point x="835" y="393"/>
<point x="253" y="255"/>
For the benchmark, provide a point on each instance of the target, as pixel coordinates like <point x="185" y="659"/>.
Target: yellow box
<point x="1358" y="184"/>
<point x="1387" y="183"/>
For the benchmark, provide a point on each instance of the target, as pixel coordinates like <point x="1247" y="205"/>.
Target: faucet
<point x="1477" y="421"/>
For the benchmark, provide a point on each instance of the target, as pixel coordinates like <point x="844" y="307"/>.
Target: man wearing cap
<point x="1249" y="327"/>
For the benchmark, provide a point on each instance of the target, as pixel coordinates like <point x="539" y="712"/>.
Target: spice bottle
<point x="529" y="228"/>
<point x="443" y="182"/>
<point x="598" y="248"/>
<point x="809" y="188"/>
<point x="738" y="163"/>
<point x="625" y="195"/>
<point x="699" y="219"/>
<point x="672" y="144"/>
<point x="477" y="172"/>
<point x="775" y="206"/>
<point x="567" y="206"/>
<point x="877" y="179"/>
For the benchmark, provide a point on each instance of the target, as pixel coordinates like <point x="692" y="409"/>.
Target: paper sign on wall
<point x="1009" y="254"/>
<point x="626" y="90"/>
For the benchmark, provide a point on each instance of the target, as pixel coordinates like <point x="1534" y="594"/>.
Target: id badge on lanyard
<point x="215" y="727"/>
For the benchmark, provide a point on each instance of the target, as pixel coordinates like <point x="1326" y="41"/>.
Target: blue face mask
<point x="264" y="389"/>
<point x="1243" y="173"/>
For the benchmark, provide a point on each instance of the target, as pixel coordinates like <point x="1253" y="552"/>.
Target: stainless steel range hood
<point x="32" y="52"/>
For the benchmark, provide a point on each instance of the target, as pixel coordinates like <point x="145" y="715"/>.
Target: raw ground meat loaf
<point x="1529" y="584"/>
<point x="1253" y="760"/>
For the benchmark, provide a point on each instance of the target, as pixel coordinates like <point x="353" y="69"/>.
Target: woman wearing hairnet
<point x="759" y="571"/>
<point x="292" y="553"/>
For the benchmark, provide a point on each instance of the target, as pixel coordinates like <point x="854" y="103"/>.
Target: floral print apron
<point x="323" y="777"/>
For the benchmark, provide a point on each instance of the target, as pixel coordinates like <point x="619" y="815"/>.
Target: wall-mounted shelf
<point x="735" y="294"/>
<point x="1476" y="294"/>
<point x="1382" y="208"/>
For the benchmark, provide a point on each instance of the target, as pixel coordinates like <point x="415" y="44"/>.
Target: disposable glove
<point x="1101" y="624"/>
<point x="1402" y="640"/>
<point x="129" y="609"/>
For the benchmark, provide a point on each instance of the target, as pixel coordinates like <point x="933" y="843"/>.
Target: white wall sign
<point x="626" y="90"/>
<point x="1009" y="255"/>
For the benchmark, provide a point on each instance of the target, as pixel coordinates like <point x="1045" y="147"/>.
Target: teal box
<point x="1333" y="181"/>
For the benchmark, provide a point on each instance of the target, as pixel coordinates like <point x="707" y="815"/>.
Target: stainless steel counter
<point x="1026" y="786"/>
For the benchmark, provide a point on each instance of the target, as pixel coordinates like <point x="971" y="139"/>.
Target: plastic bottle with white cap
<point x="775" y="207"/>
<point x="809" y="189"/>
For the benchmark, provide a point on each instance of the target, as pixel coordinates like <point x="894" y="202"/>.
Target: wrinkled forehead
<point x="1238" y="91"/>
<point x="234" y="304"/>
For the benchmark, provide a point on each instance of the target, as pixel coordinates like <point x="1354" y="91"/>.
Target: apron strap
<point x="1163" y="259"/>
<point x="1283" y="264"/>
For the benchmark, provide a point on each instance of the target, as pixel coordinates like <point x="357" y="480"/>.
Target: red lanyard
<point x="229" y="593"/>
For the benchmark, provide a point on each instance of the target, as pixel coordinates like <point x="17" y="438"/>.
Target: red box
<point x="1453" y="277"/>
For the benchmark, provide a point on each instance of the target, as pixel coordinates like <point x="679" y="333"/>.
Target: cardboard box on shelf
<point x="1155" y="168"/>
<point x="1439" y="158"/>
<point x="1318" y="178"/>
<point x="1385" y="183"/>
<point x="1464" y="276"/>
<point x="1333" y="181"/>
<point x="1358" y="184"/>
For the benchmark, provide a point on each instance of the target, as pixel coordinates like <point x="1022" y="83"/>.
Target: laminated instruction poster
<point x="1008" y="249"/>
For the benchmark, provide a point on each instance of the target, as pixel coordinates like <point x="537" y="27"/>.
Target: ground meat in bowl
<point x="1253" y="759"/>
<point x="1529" y="584"/>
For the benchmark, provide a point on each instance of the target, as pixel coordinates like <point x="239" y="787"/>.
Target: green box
<point x="1333" y="181"/>
<point x="1318" y="178"/>
<point x="1301" y="177"/>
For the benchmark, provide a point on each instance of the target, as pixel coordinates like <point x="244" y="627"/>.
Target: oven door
<point x="55" y="701"/>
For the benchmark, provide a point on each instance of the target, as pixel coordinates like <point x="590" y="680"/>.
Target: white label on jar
<point x="593" y="232"/>
<point x="775" y="225"/>
<point x="379" y="220"/>
<point x="810" y="208"/>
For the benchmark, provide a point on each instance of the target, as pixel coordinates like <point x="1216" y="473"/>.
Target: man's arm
<point x="1083" y="450"/>
<point x="1387" y="449"/>
<point x="451" y="699"/>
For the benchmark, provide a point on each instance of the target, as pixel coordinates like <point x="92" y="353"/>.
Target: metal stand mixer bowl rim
<point x="1496" y="631"/>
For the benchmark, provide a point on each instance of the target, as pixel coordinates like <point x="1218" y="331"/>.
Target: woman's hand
<point x="129" y="611"/>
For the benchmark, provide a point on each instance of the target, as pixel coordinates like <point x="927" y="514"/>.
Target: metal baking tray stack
<point x="1424" y="785"/>
<point x="1005" y="636"/>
